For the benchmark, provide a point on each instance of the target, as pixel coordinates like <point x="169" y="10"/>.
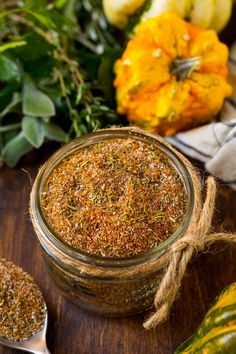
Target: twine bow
<point x="180" y="253"/>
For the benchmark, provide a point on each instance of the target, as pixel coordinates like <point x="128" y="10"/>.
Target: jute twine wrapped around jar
<point x="198" y="236"/>
<point x="177" y="256"/>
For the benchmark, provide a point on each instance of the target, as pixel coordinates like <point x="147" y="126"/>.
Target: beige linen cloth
<point x="215" y="143"/>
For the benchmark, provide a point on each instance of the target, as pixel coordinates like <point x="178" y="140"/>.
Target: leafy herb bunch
<point x="55" y="73"/>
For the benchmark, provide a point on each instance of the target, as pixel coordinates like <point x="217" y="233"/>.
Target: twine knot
<point x="180" y="253"/>
<point x="187" y="241"/>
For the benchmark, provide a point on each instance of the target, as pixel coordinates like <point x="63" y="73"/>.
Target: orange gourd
<point x="171" y="76"/>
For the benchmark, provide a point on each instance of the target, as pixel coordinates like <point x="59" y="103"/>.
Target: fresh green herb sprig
<point x="55" y="73"/>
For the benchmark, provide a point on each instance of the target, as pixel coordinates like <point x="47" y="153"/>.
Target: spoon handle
<point x="44" y="351"/>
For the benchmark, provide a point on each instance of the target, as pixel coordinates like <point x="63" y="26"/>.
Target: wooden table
<point x="73" y="331"/>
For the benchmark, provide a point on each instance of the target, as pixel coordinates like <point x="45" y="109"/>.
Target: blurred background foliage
<point x="56" y="62"/>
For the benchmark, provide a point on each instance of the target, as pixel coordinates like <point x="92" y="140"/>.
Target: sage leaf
<point x="8" y="136"/>
<point x="37" y="47"/>
<point x="54" y="132"/>
<point x="39" y="68"/>
<point x="33" y="131"/>
<point x="36" y="103"/>
<point x="8" y="69"/>
<point x="15" y="149"/>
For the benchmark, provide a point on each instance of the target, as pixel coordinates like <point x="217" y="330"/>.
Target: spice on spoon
<point x="117" y="198"/>
<point x="22" y="307"/>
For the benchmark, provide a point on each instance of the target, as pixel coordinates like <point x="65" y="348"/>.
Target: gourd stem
<point x="183" y="68"/>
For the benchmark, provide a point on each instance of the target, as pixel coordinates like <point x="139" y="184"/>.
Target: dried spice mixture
<point x="117" y="198"/>
<point x="22" y="307"/>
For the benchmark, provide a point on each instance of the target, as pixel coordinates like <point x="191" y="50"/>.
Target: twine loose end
<point x="157" y="317"/>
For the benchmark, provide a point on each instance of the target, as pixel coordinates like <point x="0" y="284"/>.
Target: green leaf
<point x="43" y="18"/>
<point x="64" y="25"/>
<point x="36" y="103"/>
<point x="33" y="131"/>
<point x="54" y="132"/>
<point x="91" y="63"/>
<point x="79" y="94"/>
<point x="6" y="13"/>
<point x="15" y="100"/>
<point x="40" y="68"/>
<point x="6" y="95"/>
<point x="105" y="72"/>
<point x="12" y="44"/>
<point x="70" y="10"/>
<point x="15" y="149"/>
<point x="36" y="48"/>
<point x="35" y="4"/>
<point x="8" y="69"/>
<point x="54" y="91"/>
<point x="60" y="3"/>
<point x="9" y="135"/>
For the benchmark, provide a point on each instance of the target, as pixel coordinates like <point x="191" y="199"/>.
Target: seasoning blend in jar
<point x="105" y="208"/>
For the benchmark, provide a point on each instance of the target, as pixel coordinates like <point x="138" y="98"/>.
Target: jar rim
<point x="44" y="228"/>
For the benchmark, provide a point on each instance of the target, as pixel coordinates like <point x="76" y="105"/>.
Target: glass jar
<point x="109" y="286"/>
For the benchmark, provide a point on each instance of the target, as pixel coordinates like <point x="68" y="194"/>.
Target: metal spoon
<point x="36" y="344"/>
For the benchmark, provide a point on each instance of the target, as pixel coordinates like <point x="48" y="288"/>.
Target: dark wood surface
<point x="73" y="331"/>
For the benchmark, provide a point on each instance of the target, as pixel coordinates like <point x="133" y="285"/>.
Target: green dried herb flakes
<point x="22" y="307"/>
<point x="114" y="199"/>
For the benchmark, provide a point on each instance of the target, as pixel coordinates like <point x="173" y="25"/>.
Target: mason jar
<point x="108" y="286"/>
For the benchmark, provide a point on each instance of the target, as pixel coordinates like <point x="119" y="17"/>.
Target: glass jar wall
<point x="109" y="286"/>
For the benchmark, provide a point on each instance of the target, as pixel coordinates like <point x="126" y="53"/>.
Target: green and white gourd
<point x="217" y="333"/>
<point x="212" y="14"/>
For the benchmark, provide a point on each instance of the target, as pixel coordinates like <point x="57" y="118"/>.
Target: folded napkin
<point x="215" y="143"/>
